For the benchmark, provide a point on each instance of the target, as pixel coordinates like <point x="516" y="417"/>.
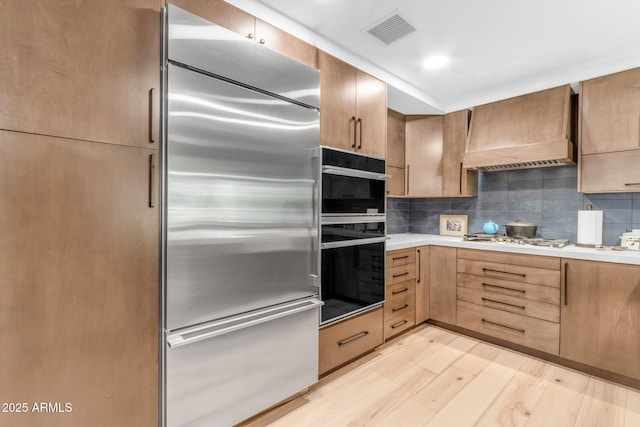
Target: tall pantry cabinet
<point x="79" y="211"/>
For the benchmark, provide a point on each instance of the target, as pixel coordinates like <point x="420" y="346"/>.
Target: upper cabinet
<point x="395" y="153"/>
<point x="609" y="133"/>
<point x="423" y="152"/>
<point x="533" y="130"/>
<point x="85" y="70"/>
<point x="239" y="21"/>
<point x="433" y="147"/>
<point x="456" y="180"/>
<point x="353" y="108"/>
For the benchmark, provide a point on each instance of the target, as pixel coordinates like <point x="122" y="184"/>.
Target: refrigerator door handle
<point x="355" y="242"/>
<point x="356" y="173"/>
<point x="225" y="326"/>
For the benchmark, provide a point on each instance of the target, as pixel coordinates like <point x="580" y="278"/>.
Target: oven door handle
<point x="355" y="173"/>
<point x="355" y="242"/>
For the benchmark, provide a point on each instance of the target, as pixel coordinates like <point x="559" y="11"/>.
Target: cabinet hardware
<point x="353" y="120"/>
<point x="489" y="270"/>
<point x="250" y="36"/>
<point x="521" y="307"/>
<point x="460" y="177"/>
<point x="418" y="263"/>
<point x="353" y="338"/>
<point x="393" y="310"/>
<point x="400" y="291"/>
<point x="522" y="331"/>
<point x="152" y="115"/>
<point x="395" y="258"/>
<point x="152" y="173"/>
<point x="397" y="325"/>
<point x="406" y="273"/>
<point x="359" y="122"/>
<point x="408" y="175"/>
<point x="504" y="288"/>
<point x="566" y="284"/>
<point x="262" y="41"/>
<point x="632" y="184"/>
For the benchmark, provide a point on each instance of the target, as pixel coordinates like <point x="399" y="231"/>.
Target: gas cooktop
<point x="502" y="239"/>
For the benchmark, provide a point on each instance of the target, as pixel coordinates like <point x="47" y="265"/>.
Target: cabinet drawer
<point x="546" y="294"/>
<point x="401" y="289"/>
<point x="515" y="273"/>
<point x="549" y="263"/>
<point x="401" y="257"/>
<point x="349" y="339"/>
<point x="398" y="307"/>
<point x="518" y="329"/>
<point x="539" y="310"/>
<point x="398" y="324"/>
<point x="401" y="273"/>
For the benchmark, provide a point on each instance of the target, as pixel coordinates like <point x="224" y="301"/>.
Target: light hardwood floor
<point x="436" y="378"/>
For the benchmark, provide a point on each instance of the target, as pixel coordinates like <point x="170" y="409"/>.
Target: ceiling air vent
<point x="392" y="28"/>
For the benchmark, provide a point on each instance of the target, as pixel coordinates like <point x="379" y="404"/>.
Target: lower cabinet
<point x="422" y="284"/>
<point x="510" y="296"/>
<point x="442" y="284"/>
<point x="344" y="341"/>
<point x="601" y="315"/>
<point x="399" y="308"/>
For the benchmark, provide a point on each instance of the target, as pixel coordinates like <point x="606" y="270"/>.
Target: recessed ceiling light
<point x="435" y="61"/>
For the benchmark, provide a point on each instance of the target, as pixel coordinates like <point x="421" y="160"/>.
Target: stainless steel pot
<point x="521" y="228"/>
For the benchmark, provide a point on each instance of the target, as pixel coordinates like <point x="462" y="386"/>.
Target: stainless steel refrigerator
<point x="241" y="305"/>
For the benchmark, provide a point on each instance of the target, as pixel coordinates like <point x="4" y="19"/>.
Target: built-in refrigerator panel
<point x="241" y="199"/>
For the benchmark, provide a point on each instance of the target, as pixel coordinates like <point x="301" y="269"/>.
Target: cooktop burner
<point x="501" y="238"/>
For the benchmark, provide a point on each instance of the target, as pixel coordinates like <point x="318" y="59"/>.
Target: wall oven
<point x="353" y="234"/>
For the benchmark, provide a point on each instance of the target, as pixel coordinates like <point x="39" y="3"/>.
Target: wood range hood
<point x="528" y="131"/>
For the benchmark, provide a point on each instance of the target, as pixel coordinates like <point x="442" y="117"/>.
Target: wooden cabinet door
<point x="395" y="153"/>
<point x="442" y="284"/>
<point x="456" y="181"/>
<point x="221" y="13"/>
<point x="337" y="103"/>
<point x="286" y="44"/>
<point x="422" y="284"/>
<point x="79" y="264"/>
<point x="371" y="113"/>
<point x="600" y="316"/>
<point x="610" y="113"/>
<point x="423" y="152"/>
<point x="86" y="70"/>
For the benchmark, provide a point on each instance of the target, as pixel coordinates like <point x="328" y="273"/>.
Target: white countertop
<point x="409" y="240"/>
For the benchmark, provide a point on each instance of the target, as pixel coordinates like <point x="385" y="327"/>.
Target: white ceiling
<point x="498" y="48"/>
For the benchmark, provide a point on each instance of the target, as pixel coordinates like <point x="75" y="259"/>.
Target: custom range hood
<point x="528" y="131"/>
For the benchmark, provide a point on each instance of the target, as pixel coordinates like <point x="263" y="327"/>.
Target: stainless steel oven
<point x="353" y="234"/>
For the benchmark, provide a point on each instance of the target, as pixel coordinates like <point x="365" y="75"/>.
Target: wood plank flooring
<point x="436" y="378"/>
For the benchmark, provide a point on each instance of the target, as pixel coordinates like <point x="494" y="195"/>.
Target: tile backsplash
<point x="545" y="196"/>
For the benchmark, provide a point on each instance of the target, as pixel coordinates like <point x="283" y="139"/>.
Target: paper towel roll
<point x="589" y="228"/>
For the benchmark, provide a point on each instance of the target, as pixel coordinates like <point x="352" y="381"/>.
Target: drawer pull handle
<point x="397" y="325"/>
<point x="399" y="308"/>
<point x="353" y="338"/>
<point x="406" y="273"/>
<point x="504" y="288"/>
<point x="522" y="331"/>
<point x="632" y="184"/>
<point x="395" y="258"/>
<point x="521" y="307"/>
<point x="400" y="291"/>
<point x="489" y="270"/>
